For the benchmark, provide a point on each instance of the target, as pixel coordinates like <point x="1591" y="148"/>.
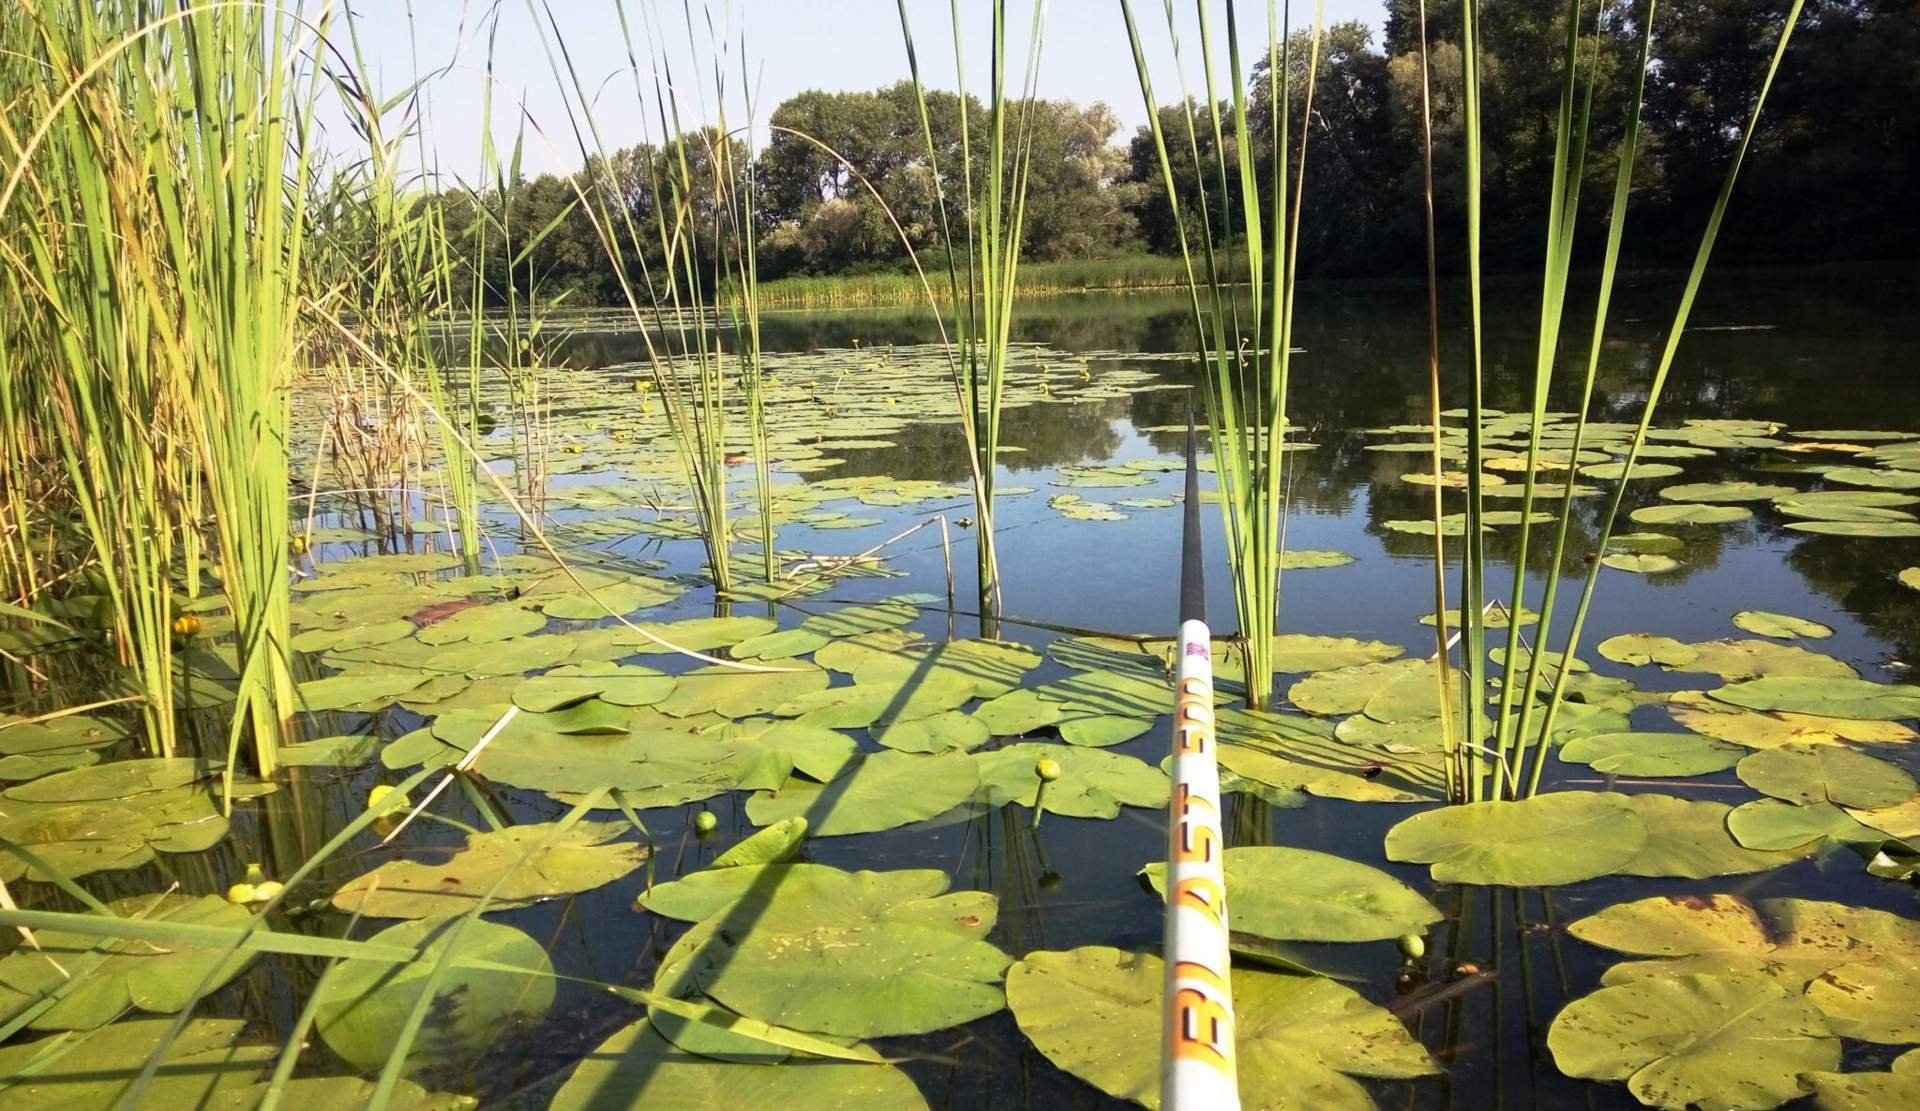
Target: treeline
<point x="1834" y="172"/>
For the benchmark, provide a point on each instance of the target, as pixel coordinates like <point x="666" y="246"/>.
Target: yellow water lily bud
<point x="240" y="894"/>
<point x="1047" y="769"/>
<point x="255" y="874"/>
<point x="268" y="891"/>
<point x="186" y="626"/>
<point x="378" y="793"/>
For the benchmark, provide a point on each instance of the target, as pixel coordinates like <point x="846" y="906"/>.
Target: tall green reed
<point x="1510" y="763"/>
<point x="153" y="216"/>
<point x="992" y="204"/>
<point x="1245" y="378"/>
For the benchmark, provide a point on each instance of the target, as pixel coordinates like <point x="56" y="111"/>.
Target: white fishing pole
<point x="1197" y="1048"/>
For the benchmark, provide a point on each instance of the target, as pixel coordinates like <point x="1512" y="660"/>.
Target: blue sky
<point x="791" y="45"/>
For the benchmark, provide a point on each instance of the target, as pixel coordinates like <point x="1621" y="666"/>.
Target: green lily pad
<point x="1689" y="838"/>
<point x="1805" y="774"/>
<point x="760" y="754"/>
<point x="863" y="981"/>
<point x="700" y="634"/>
<point x="864" y="704"/>
<point x="1018" y="713"/>
<point x="1757" y="729"/>
<point x="611" y="683"/>
<point x="636" y="1067"/>
<point x="117" y="780"/>
<point x="1295" y="653"/>
<point x="1829" y="697"/>
<point x="733" y="693"/>
<point x="1654" y="755"/>
<point x="331" y="752"/>
<point x="114" y="975"/>
<point x="1643" y="563"/>
<point x="203" y="1065"/>
<point x="363" y="1004"/>
<point x="1875" y="1000"/>
<point x="1713" y="1042"/>
<point x="362" y="685"/>
<point x="776" y="844"/>
<point x="1346" y="690"/>
<point x="1686" y="513"/>
<point x="1639" y="649"/>
<point x="1092" y="783"/>
<point x="1791" y="940"/>
<point x="23" y="737"/>
<point x="1899" y="1086"/>
<point x="937" y="733"/>
<point x="883" y="790"/>
<point x="1564" y="837"/>
<point x="1910" y="578"/>
<point x="1095" y="1012"/>
<point x="1781" y="625"/>
<point x="580" y="859"/>
<point x="1734" y="660"/>
<point x="481" y="625"/>
<point x="1775" y="825"/>
<point x="1725" y="492"/>
<point x="1884" y="478"/>
<point x="1304" y="559"/>
<point x="1103" y="730"/>
<point x="1300" y="895"/>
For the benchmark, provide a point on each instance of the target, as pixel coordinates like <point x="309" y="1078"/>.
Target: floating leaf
<point x="1639" y="649"/>
<point x="114" y="975"/>
<point x="1653" y="755"/>
<point x="1648" y="563"/>
<point x="481" y="624"/>
<point x="1300" y="895"/>
<point x="863" y="981"/>
<point x="579" y="859"/>
<point x="950" y="730"/>
<point x="1304" y="559"/>
<point x="1866" y="476"/>
<point x="1756" y="729"/>
<point x="1549" y="839"/>
<point x="362" y="1004"/>
<point x="1804" y="774"/>
<point x="776" y="844"/>
<point x="1018" y="713"/>
<point x="1781" y="625"/>
<point x="1713" y="1042"/>
<point x="1869" y="1091"/>
<point x="1690" y="839"/>
<point x="1725" y="492"/>
<point x="733" y="693"/>
<point x="1095" y="1012"/>
<point x="636" y="1067"/>
<point x="1773" y="825"/>
<point x="1875" y="1000"/>
<point x="883" y="790"/>
<point x="1685" y="513"/>
<point x="1346" y="690"/>
<point x="1302" y="652"/>
<point x="864" y="704"/>
<point x="1103" y="730"/>
<point x="1910" y="578"/>
<point x="118" y="780"/>
<point x="1863" y="529"/>
<point x="202" y="1065"/>
<point x="614" y="684"/>
<point x="1828" y="697"/>
<point x="1092" y="783"/>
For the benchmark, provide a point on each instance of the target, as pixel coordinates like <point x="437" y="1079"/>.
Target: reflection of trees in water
<point x="1054" y="434"/>
<point x="1859" y="575"/>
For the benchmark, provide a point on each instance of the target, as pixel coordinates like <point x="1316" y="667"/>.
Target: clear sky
<point x="791" y="46"/>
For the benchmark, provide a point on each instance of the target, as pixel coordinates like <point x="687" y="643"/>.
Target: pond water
<point x="1105" y="398"/>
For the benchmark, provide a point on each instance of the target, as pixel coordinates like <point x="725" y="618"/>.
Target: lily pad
<point x="883" y="790"/>
<point x="203" y="1065"/>
<point x="734" y="693"/>
<point x="481" y="625"/>
<point x="114" y="976"/>
<point x="1292" y="894"/>
<point x="614" y="684"/>
<point x="1687" y="513"/>
<point x="1775" y="825"/>
<point x="1549" y="839"/>
<point x="1828" y="697"/>
<point x="362" y="1004"/>
<point x="950" y="730"/>
<point x="1653" y="755"/>
<point x="1095" y="1012"/>
<point x="1294" y="653"/>
<point x="1092" y="783"/>
<point x="1805" y="774"/>
<point x="1781" y="625"/>
<point x="636" y="1067"/>
<point x="776" y="844"/>
<point x="1303" y="559"/>
<point x="1862" y="529"/>
<point x="1103" y="730"/>
<point x="579" y="859"/>
<point x="1690" y="839"/>
<point x="1642" y="563"/>
<point x="1725" y="492"/>
<point x="1713" y="1042"/>
<point x="1869" y="1091"/>
<point x="1346" y="690"/>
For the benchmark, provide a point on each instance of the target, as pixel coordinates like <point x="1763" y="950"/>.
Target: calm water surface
<point x="1832" y="350"/>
